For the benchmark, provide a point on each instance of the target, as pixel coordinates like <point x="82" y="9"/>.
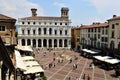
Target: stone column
<point x="53" y="33"/>
<point x="42" y="31"/>
<point x="25" y="42"/>
<point x="57" y="43"/>
<point x="42" y="43"/>
<point x="47" y="43"/>
<point x="19" y="42"/>
<point x="63" y="43"/>
<point x="36" y="43"/>
<point x="36" y="31"/>
<point x="52" y="43"/>
<point x="47" y="31"/>
<point x="31" y="43"/>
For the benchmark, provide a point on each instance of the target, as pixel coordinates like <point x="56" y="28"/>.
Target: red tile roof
<point x="5" y="17"/>
<point x="44" y="18"/>
<point x="95" y="25"/>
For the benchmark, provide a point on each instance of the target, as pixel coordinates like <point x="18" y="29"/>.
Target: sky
<point x="80" y="11"/>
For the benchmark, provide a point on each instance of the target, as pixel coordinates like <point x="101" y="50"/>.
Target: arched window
<point x="39" y="31"/>
<point x="50" y="43"/>
<point x="55" y="43"/>
<point x="28" y="42"/>
<point x="44" y="43"/>
<point x="45" y="31"/>
<point x="55" y="32"/>
<point x="60" y="32"/>
<point x="34" y="43"/>
<point x="60" y="43"/>
<point x="39" y="43"/>
<point x="65" y="32"/>
<point x="23" y="42"/>
<point x="65" y="43"/>
<point x="50" y="31"/>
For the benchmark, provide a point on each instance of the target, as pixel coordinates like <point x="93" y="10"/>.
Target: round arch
<point x="60" y="43"/>
<point x="50" y="31"/>
<point x="34" y="42"/>
<point x="65" y="43"/>
<point x="28" y="42"/>
<point x="23" y="42"/>
<point x="39" y="31"/>
<point x="44" y="43"/>
<point x="55" y="43"/>
<point x="39" y="42"/>
<point x="50" y="43"/>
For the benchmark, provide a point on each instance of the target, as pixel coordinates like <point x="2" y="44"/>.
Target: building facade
<point x="7" y="43"/>
<point x="114" y="35"/>
<point x="75" y="39"/>
<point x="94" y="36"/>
<point x="45" y="32"/>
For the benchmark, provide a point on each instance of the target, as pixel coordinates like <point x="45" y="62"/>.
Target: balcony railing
<point x="43" y="35"/>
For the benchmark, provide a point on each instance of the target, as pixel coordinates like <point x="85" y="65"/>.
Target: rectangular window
<point x="98" y="36"/>
<point x="28" y="32"/>
<point x="23" y="32"/>
<point x="60" y="32"/>
<point x="113" y="26"/>
<point x="65" y="32"/>
<point x="106" y="31"/>
<point x="98" y="29"/>
<point x="112" y="35"/>
<point x="2" y="28"/>
<point x="55" y="32"/>
<point x="33" y="32"/>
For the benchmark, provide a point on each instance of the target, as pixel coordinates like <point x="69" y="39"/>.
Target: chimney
<point x="33" y="10"/>
<point x="114" y="16"/>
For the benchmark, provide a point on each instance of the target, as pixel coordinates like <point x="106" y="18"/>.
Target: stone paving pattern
<point x="64" y="70"/>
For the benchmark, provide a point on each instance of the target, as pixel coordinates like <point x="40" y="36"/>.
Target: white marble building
<point x="45" y="32"/>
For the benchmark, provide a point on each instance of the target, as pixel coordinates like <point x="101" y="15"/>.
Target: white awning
<point x="89" y="51"/>
<point x="112" y="61"/>
<point x="102" y="58"/>
<point x="35" y="69"/>
<point x="24" y="48"/>
<point x="28" y="58"/>
<point x="32" y="67"/>
<point x="19" y="62"/>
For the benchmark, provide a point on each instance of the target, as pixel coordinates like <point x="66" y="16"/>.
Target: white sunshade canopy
<point x="24" y="48"/>
<point x="102" y="58"/>
<point x="19" y="62"/>
<point x="31" y="65"/>
<point x="112" y="61"/>
<point x="89" y="51"/>
<point x="35" y="69"/>
<point x="28" y="58"/>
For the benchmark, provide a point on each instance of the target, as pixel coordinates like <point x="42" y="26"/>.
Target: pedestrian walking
<point x="88" y="77"/>
<point x="69" y="78"/>
<point x="53" y="59"/>
<point x="70" y="60"/>
<point x="76" y="66"/>
<point x="73" y="66"/>
<point x="84" y="76"/>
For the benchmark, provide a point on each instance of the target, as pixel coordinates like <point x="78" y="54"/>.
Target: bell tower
<point x="64" y="12"/>
<point x="33" y="10"/>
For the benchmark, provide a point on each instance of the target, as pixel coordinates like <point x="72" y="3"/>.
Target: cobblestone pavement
<point x="62" y="69"/>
